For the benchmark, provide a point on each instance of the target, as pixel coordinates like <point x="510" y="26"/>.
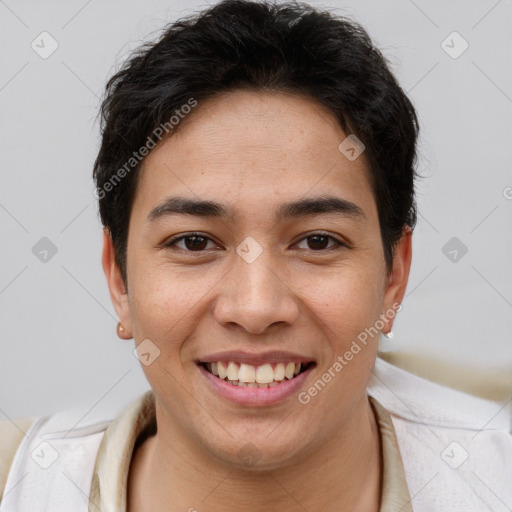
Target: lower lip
<point x="255" y="396"/>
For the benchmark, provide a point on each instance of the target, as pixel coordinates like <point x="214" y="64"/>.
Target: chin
<point x="255" y="454"/>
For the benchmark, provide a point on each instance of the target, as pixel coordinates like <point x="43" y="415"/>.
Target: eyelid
<point x="339" y="243"/>
<point x="178" y="238"/>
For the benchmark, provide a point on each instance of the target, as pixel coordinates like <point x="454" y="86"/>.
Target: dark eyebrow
<point x="299" y="208"/>
<point x="322" y="204"/>
<point x="183" y="205"/>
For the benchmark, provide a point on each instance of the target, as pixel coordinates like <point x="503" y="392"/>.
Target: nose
<point x="255" y="296"/>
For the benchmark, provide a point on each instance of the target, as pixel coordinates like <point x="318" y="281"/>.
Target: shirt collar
<point x="395" y="493"/>
<point x="420" y="400"/>
<point x="110" y="477"/>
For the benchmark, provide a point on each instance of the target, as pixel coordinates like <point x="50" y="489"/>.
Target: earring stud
<point x="121" y="331"/>
<point x="388" y="335"/>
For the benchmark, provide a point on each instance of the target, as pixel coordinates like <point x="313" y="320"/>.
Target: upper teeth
<point x="248" y="373"/>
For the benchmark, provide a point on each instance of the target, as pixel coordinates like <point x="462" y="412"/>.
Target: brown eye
<point x="195" y="243"/>
<point x="191" y="243"/>
<point x="319" y="242"/>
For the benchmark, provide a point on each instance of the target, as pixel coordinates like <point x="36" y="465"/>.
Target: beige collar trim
<point x="110" y="478"/>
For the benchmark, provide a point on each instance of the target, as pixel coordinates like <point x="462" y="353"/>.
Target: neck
<point x="169" y="472"/>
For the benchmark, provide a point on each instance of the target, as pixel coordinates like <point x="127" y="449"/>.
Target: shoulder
<point x="11" y="435"/>
<point x="419" y="400"/>
<point x="39" y="456"/>
<point x="456" y="448"/>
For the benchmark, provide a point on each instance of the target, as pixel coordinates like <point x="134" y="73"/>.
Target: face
<point x="254" y="243"/>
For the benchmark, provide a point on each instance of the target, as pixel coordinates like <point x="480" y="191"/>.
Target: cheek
<point x="346" y="302"/>
<point x="165" y="300"/>
<point x="161" y="311"/>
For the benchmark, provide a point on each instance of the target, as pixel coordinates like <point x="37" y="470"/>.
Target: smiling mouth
<point x="250" y="376"/>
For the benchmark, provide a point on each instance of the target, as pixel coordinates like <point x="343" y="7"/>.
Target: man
<point x="256" y="185"/>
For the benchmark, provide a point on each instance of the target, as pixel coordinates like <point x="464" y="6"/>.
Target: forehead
<point x="255" y="145"/>
<point x="275" y="123"/>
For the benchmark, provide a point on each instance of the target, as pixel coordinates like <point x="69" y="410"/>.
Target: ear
<point x="116" y="286"/>
<point x="398" y="278"/>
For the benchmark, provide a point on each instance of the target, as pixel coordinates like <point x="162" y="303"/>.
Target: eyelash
<point x="339" y="245"/>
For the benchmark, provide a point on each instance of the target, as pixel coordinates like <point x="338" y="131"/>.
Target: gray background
<point x="59" y="346"/>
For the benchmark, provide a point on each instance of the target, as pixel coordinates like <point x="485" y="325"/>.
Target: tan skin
<point x="252" y="152"/>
